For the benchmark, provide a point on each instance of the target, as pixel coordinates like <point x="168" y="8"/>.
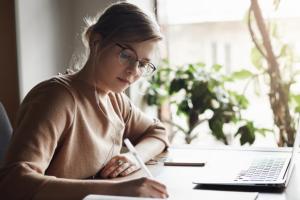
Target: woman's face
<point x="115" y="75"/>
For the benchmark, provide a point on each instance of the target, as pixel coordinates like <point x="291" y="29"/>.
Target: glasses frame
<point x="136" y="60"/>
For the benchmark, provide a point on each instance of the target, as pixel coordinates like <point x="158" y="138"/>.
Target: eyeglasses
<point x="128" y="58"/>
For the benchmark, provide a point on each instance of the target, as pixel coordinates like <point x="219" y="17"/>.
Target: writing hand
<point x="142" y="187"/>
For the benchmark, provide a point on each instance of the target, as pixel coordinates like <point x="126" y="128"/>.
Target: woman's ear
<point x="95" y="41"/>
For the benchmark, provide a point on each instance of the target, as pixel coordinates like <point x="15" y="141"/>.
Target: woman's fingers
<point x="119" y="170"/>
<point x="145" y="187"/>
<point x="159" y="187"/>
<point x="115" y="168"/>
<point x="110" y="167"/>
<point x="119" y="165"/>
<point x="129" y="170"/>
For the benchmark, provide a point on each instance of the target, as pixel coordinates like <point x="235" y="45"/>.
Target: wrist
<point x="117" y="188"/>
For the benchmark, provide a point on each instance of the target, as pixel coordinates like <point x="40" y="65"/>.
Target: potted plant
<point x="195" y="90"/>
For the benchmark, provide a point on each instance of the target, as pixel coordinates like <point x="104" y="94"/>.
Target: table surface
<point x="218" y="160"/>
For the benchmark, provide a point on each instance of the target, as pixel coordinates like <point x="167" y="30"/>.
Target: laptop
<point x="262" y="170"/>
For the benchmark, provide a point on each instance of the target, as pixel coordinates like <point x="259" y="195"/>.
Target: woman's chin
<point x="119" y="90"/>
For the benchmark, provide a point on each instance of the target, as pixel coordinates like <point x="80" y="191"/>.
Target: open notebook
<point x="179" y="194"/>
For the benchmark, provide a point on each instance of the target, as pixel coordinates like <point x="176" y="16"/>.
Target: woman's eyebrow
<point x="129" y="47"/>
<point x="145" y="59"/>
<point x="132" y="49"/>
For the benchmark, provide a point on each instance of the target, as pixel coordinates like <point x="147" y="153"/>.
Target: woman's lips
<point x="124" y="80"/>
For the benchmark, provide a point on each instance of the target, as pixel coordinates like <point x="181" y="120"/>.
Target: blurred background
<point x="41" y="38"/>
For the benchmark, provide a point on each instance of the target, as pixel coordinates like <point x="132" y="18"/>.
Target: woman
<point x="70" y="128"/>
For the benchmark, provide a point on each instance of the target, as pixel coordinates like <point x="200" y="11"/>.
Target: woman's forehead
<point x="144" y="50"/>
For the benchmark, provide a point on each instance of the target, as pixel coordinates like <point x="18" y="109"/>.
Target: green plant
<point x="274" y="61"/>
<point x="196" y="90"/>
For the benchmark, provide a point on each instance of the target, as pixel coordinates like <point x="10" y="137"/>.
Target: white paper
<point x="106" y="197"/>
<point x="192" y="194"/>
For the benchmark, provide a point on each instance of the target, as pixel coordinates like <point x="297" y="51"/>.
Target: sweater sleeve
<point x="139" y="125"/>
<point x="45" y="114"/>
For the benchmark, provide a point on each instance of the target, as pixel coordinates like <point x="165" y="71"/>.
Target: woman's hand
<point x="120" y="165"/>
<point x="142" y="187"/>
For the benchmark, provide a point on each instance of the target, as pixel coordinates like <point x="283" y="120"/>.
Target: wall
<point x="48" y="35"/>
<point x="44" y="37"/>
<point x="9" y="88"/>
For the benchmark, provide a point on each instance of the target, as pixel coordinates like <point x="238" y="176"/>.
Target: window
<point x="216" y="31"/>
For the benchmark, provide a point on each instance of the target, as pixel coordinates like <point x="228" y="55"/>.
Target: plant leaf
<point x="247" y="133"/>
<point x="243" y="74"/>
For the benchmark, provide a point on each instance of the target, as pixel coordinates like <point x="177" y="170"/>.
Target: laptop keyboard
<point x="263" y="169"/>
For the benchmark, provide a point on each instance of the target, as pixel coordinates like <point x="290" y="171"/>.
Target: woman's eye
<point x="142" y="65"/>
<point x="125" y="55"/>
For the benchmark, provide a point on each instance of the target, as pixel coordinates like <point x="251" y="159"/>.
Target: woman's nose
<point x="133" y="68"/>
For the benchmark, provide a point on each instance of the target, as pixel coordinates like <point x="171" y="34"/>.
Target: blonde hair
<point x="120" y="22"/>
<point x="124" y="22"/>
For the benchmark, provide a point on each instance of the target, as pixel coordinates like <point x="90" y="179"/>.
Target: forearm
<point x="149" y="148"/>
<point x="75" y="189"/>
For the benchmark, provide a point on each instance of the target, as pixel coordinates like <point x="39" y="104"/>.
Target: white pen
<point x="137" y="157"/>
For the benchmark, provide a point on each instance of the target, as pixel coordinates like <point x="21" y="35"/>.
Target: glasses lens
<point x="146" y="69"/>
<point x="126" y="57"/>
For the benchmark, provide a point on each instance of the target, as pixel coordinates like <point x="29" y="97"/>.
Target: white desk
<point x="182" y="177"/>
<point x="179" y="180"/>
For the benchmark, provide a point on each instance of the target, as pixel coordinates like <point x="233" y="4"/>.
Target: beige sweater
<point x="62" y="134"/>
